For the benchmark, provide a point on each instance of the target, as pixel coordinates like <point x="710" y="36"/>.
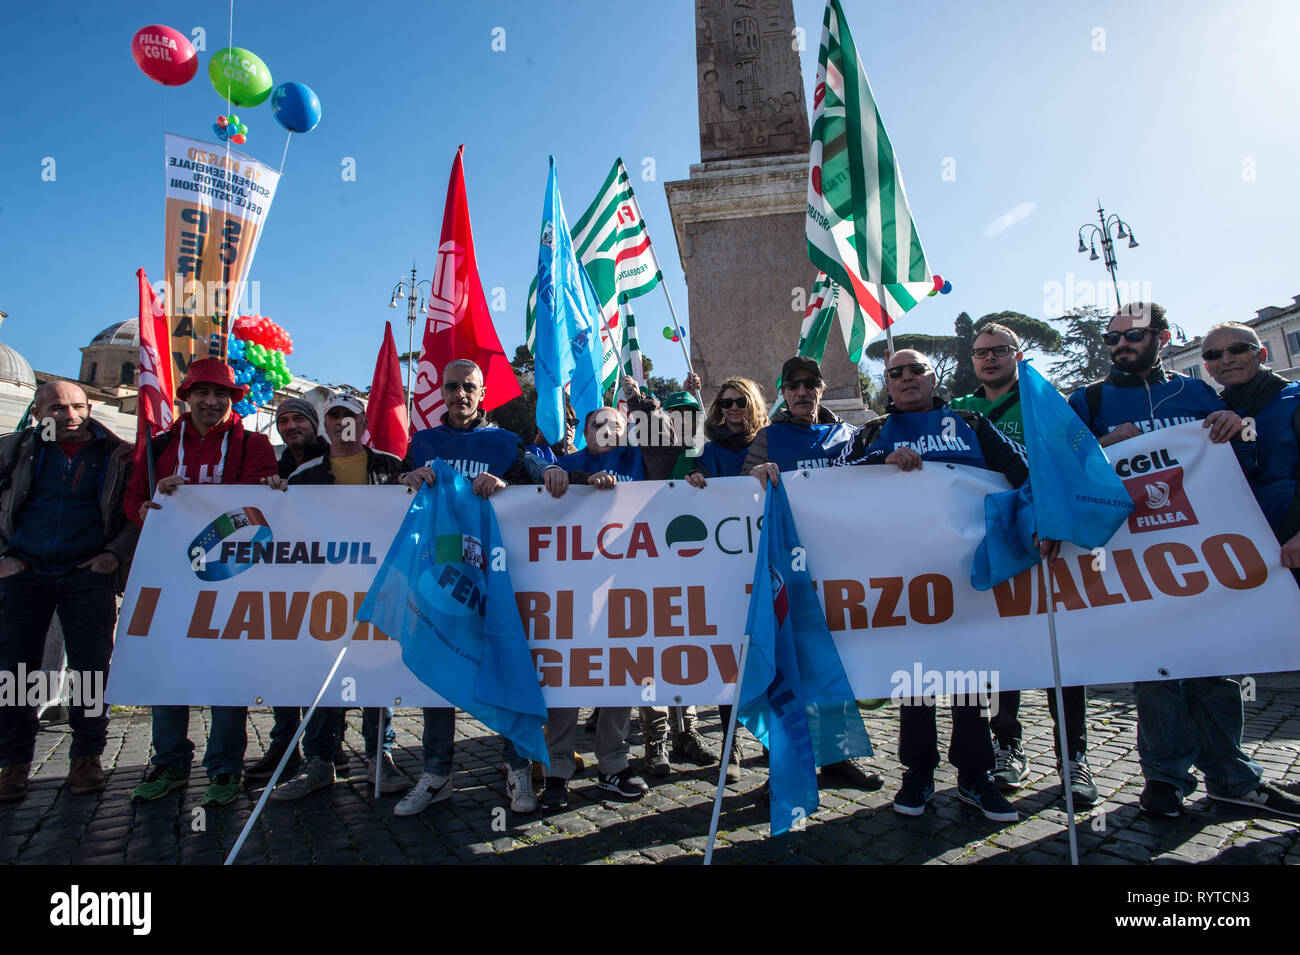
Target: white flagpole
<point x="1060" y="713"/>
<point x="378" y="761"/>
<point x="726" y="753"/>
<point x="290" y="749"/>
<point x="677" y="329"/>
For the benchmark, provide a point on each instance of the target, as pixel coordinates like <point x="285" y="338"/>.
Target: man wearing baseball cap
<point x="348" y="462"/>
<point x="299" y="425"/>
<point x="206" y="445"/>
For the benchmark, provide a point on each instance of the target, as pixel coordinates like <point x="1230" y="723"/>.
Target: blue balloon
<point x="947" y="287"/>
<point x="295" y="107"/>
<point x="219" y="130"/>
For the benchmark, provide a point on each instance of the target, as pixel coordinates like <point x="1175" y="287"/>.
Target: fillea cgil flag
<point x="859" y="226"/>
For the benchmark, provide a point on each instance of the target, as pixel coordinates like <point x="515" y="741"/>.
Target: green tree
<point x="1086" y="357"/>
<point x="1034" y="334"/>
<point x="963" y="378"/>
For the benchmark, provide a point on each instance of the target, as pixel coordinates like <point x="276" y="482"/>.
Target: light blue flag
<point x="1073" y="494"/>
<point x="795" y="695"/>
<point x="567" y="350"/>
<point x="444" y="591"/>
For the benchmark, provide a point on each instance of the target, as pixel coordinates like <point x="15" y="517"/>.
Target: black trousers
<point x="1006" y="723"/>
<point x="970" y="750"/>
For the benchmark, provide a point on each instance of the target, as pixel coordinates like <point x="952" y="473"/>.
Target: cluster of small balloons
<point x="256" y="351"/>
<point x="239" y="76"/>
<point x="941" y="286"/>
<point x="674" y="335"/>
<point x="229" y="127"/>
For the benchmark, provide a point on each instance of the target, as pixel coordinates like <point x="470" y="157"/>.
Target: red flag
<point x="386" y="426"/>
<point x="154" y="400"/>
<point x="459" y="324"/>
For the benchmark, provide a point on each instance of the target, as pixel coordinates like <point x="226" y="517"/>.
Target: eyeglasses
<point x="1134" y="335"/>
<point x="1236" y="348"/>
<point x="725" y="403"/>
<point x="916" y="368"/>
<point x="468" y="387"/>
<point x="999" y="351"/>
<point x="811" y="384"/>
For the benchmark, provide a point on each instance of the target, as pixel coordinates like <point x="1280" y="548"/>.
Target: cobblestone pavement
<point x="344" y="825"/>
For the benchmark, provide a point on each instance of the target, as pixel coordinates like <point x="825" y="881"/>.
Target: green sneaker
<point x="158" y="782"/>
<point x="222" y="790"/>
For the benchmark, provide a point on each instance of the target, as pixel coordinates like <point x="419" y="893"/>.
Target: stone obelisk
<point x="739" y="218"/>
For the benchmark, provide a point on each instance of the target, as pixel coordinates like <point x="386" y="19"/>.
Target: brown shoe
<point x="86" y="776"/>
<point x="13" y="782"/>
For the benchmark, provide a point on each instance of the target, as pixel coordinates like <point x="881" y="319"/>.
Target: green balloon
<point x="239" y="76"/>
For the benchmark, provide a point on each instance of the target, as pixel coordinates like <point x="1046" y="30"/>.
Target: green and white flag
<point x="612" y="243"/>
<point x="860" y="229"/>
<point x="829" y="304"/>
<point x="632" y="363"/>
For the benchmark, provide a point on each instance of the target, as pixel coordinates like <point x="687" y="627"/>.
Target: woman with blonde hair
<point x="737" y="413"/>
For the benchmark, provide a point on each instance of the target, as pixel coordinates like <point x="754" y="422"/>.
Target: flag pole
<point x="378" y="762"/>
<point x="1060" y="712"/>
<point x="681" y="340"/>
<point x="291" y="748"/>
<point x="726" y="753"/>
<point x="889" y="324"/>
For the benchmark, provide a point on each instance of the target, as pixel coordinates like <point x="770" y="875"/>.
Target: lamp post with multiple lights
<point x="1122" y="230"/>
<point x="410" y="289"/>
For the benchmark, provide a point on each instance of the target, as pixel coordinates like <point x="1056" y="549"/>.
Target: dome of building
<point x="123" y="333"/>
<point x="14" y="368"/>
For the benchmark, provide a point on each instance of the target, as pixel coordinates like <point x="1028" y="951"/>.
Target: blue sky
<point x="1177" y="115"/>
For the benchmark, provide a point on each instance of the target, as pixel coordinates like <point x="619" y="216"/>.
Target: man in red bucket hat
<point x="206" y="445"/>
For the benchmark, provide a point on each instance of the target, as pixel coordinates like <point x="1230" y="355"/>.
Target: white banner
<point x="242" y="595"/>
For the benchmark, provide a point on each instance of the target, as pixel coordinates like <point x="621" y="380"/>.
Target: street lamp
<point x="1122" y="231"/>
<point x="409" y="289"/>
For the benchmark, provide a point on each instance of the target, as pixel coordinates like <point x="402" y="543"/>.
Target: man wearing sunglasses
<point x="994" y="357"/>
<point x="1181" y="723"/>
<point x="920" y="427"/>
<point x="805" y="435"/>
<point x="1138" y="395"/>
<point x="491" y="458"/>
<point x="1235" y="357"/>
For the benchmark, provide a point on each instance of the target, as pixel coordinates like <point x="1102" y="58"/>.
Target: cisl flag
<point x="156" y="393"/>
<point x="459" y="324"/>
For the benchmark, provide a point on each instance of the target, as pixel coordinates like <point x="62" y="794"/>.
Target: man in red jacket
<point x="206" y="445"/>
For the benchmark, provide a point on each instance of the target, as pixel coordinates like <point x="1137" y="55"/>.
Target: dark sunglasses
<point x="454" y="386"/>
<point x="1236" y="348"/>
<point x="1134" y="335"/>
<point x="1001" y="351"/>
<point x="916" y="368"/>
<point x="725" y="403"/>
<point x="812" y="384"/>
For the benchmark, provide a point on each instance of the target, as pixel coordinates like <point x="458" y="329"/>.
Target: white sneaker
<point x="429" y="789"/>
<point x="391" y="779"/>
<point x="519" y="786"/>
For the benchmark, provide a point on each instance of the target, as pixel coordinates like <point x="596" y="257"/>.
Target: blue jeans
<point x="285" y="725"/>
<point x="1197" y="722"/>
<point x="87" y="611"/>
<point x="439" y="733"/>
<point x="370" y="719"/>
<point x="513" y="759"/>
<point x="226" y="742"/>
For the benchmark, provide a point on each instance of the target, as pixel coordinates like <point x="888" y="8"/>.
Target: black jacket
<point x="381" y="468"/>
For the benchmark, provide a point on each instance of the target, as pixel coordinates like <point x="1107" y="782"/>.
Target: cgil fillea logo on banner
<point x="77" y="908"/>
<point x="37" y="688"/>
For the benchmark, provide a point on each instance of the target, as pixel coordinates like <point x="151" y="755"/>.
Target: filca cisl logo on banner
<point x="684" y="536"/>
<point x="242" y="538"/>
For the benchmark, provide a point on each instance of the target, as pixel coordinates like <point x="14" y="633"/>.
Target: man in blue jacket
<point x="919" y="427"/>
<point x="490" y="458"/>
<point x="1181" y="723"/>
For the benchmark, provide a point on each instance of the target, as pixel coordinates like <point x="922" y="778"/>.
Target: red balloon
<point x="238" y="139"/>
<point x="164" y="55"/>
